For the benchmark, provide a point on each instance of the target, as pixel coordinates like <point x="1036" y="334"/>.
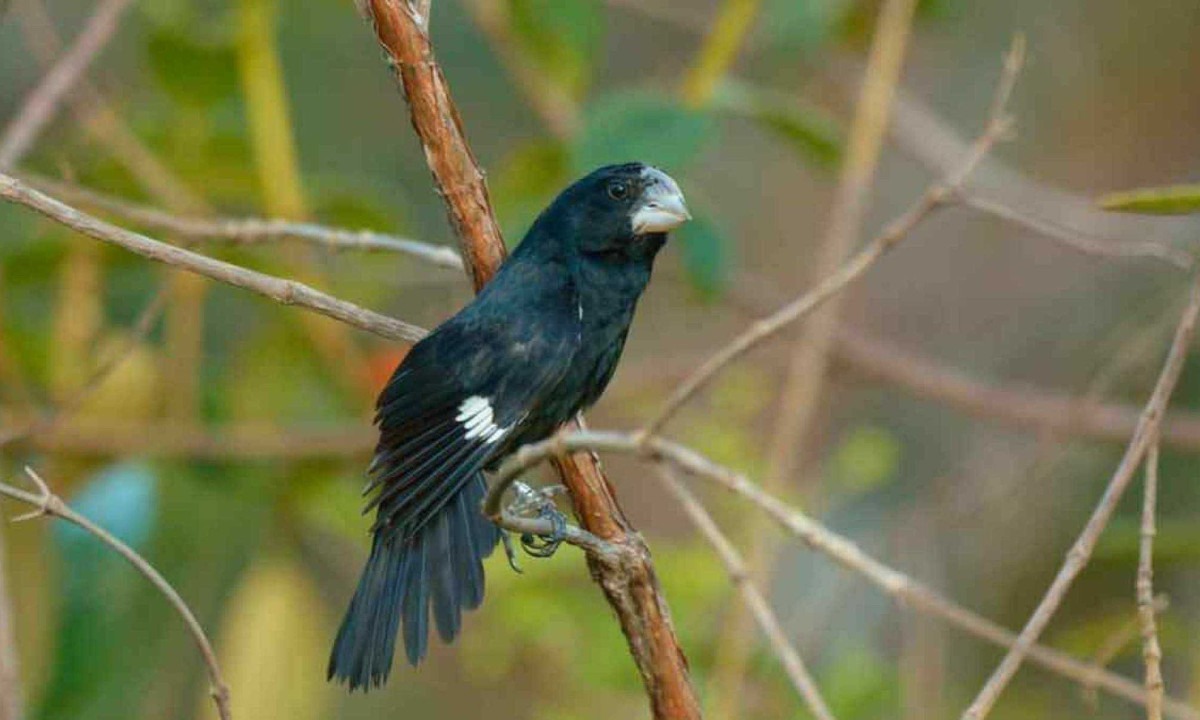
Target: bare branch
<point x="40" y="105"/>
<point x="1143" y="437"/>
<point x="935" y="197"/>
<point x="49" y="504"/>
<point x="908" y="593"/>
<point x="735" y="566"/>
<point x="248" y="231"/>
<point x="1077" y="241"/>
<point x="1151" y="650"/>
<point x="287" y="292"/>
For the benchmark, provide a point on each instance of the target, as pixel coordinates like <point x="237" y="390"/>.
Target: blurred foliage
<point x="266" y="549"/>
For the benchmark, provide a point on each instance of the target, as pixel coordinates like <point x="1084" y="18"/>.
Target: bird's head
<point x="618" y="208"/>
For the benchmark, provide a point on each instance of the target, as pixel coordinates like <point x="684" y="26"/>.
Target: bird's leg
<point x="509" y="551"/>
<point x="540" y="503"/>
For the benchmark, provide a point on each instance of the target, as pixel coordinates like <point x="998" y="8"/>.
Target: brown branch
<point x="41" y="104"/>
<point x="247" y="231"/>
<point x="1151" y="650"/>
<point x="1081" y="551"/>
<point x="735" y="566"/>
<point x="631" y="587"/>
<point x="906" y="591"/>
<point x="50" y="505"/>
<point x="936" y="197"/>
<point x="287" y="292"/>
<point x="1029" y="408"/>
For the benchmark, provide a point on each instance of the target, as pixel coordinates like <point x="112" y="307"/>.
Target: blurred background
<point x="229" y="444"/>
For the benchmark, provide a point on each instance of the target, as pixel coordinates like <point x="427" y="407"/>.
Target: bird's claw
<point x="543" y="546"/>
<point x="510" y="552"/>
<point x="537" y="502"/>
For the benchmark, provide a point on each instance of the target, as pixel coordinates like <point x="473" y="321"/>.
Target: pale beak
<point x="662" y="206"/>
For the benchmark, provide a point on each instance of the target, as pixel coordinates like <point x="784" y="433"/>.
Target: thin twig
<point x="906" y="591"/>
<point x="287" y="292"/>
<point x="248" y="231"/>
<point x="735" y="566"/>
<point x="49" y="504"/>
<point x="797" y="408"/>
<point x="1077" y="241"/>
<point x="1116" y="642"/>
<point x="1151" y="649"/>
<point x="1081" y="551"/>
<point x="937" y="196"/>
<point x="40" y="105"/>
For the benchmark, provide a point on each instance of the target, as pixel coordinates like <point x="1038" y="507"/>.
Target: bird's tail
<point x="437" y="571"/>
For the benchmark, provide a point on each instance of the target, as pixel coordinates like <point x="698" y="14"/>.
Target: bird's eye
<point x="618" y="191"/>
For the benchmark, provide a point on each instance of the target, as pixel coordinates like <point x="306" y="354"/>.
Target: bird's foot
<point x="539" y="502"/>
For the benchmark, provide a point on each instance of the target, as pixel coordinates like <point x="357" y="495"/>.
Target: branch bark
<point x="631" y="586"/>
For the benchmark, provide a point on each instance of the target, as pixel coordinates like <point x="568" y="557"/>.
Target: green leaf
<point x="199" y="74"/>
<point x="706" y="255"/>
<point x="809" y="130"/>
<point x="1170" y="200"/>
<point x="651" y="128"/>
<point x="562" y="36"/>
<point x="804" y="25"/>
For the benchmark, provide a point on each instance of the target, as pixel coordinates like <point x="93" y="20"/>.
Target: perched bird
<point x="538" y="344"/>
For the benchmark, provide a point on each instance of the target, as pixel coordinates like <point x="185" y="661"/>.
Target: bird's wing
<point x="449" y="408"/>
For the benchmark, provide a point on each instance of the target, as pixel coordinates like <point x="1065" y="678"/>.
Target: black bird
<point x="538" y="344"/>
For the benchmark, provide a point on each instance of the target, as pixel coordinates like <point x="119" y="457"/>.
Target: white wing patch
<point x="478" y="420"/>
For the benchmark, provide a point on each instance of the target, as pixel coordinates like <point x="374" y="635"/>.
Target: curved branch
<point x="49" y="504"/>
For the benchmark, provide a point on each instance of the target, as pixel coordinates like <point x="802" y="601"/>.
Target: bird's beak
<point x="662" y="207"/>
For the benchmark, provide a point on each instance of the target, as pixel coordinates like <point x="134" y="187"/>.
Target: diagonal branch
<point x="247" y="231"/>
<point x="735" y="566"/>
<point x="48" y="504"/>
<point x="287" y="292"/>
<point x="936" y="197"/>
<point x="630" y="586"/>
<point x="40" y="105"/>
<point x="908" y="593"/>
<point x="1144" y="435"/>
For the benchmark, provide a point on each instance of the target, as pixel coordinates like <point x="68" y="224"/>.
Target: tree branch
<point x="739" y="575"/>
<point x="1151" y="650"/>
<point x="41" y="104"/>
<point x="248" y="231"/>
<point x="908" y="593"/>
<point x="1147" y="429"/>
<point x="937" y="196"/>
<point x="631" y="586"/>
<point x="287" y="292"/>
<point x="49" y="504"/>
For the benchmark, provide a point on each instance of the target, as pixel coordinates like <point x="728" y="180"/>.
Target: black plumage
<point x="538" y="344"/>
